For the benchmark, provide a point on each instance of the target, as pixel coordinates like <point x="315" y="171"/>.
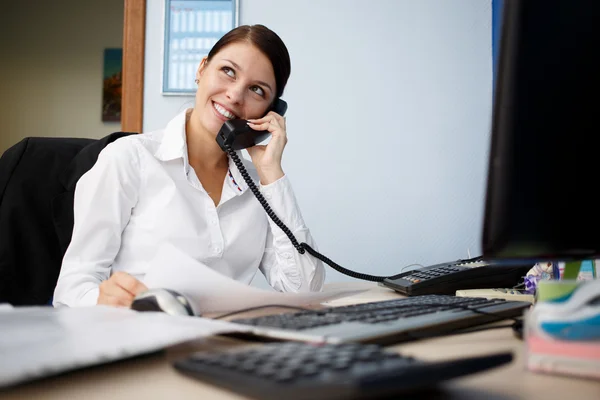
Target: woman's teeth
<point x="223" y="111"/>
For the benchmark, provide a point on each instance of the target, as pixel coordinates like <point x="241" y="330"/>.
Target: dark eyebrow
<point x="240" y="68"/>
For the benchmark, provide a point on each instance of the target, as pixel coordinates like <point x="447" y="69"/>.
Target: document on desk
<point x="37" y="342"/>
<point x="211" y="291"/>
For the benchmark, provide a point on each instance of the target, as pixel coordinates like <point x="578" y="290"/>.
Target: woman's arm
<point x="285" y="269"/>
<point x="104" y="198"/>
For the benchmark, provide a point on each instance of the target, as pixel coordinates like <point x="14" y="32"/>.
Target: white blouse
<point x="142" y="193"/>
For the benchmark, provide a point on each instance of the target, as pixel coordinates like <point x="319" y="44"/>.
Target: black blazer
<point x="37" y="183"/>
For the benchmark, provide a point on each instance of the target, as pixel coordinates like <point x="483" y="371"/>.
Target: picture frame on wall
<point x="192" y="27"/>
<point x="112" y="82"/>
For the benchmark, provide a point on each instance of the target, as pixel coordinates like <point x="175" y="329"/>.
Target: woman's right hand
<point x="120" y="290"/>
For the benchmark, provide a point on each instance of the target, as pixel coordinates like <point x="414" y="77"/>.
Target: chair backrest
<point x="37" y="183"/>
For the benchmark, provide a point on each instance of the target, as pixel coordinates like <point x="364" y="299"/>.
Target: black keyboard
<point x="295" y="371"/>
<point x="388" y="321"/>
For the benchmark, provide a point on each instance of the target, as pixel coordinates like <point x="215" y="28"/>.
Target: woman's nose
<point x="235" y="93"/>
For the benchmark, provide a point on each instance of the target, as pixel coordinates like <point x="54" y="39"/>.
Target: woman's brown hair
<point x="267" y="42"/>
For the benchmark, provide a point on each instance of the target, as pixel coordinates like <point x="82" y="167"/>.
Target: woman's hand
<point x="267" y="158"/>
<point x="120" y="290"/>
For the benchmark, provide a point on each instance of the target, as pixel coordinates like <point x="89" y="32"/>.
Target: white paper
<point x="42" y="341"/>
<point x="210" y="291"/>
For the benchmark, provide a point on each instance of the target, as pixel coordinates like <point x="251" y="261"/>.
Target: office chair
<point x="37" y="184"/>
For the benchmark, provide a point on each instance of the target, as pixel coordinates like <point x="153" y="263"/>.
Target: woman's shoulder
<point x="128" y="151"/>
<point x="133" y="144"/>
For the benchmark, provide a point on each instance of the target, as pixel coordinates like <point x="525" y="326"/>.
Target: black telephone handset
<point x="235" y="135"/>
<point x="238" y="135"/>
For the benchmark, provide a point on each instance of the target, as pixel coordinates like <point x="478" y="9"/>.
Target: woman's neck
<point x="203" y="149"/>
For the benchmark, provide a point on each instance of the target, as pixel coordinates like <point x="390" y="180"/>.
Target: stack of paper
<point x="42" y="341"/>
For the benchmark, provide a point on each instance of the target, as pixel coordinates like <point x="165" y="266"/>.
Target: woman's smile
<point x="223" y="112"/>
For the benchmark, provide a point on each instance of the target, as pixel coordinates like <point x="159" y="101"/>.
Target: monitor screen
<point x="544" y="161"/>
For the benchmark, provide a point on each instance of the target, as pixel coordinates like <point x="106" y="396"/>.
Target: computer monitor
<point x="544" y="159"/>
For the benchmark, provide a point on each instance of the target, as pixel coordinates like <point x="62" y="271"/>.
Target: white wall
<point x="51" y="67"/>
<point x="388" y="123"/>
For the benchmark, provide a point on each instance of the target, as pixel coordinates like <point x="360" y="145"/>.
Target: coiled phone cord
<point x="301" y="247"/>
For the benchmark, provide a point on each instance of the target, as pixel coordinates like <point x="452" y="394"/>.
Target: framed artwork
<point x="192" y="27"/>
<point x="112" y="84"/>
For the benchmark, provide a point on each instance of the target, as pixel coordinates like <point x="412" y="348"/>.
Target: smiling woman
<point x="175" y="186"/>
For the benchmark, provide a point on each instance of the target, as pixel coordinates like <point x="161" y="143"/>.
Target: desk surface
<point x="152" y="377"/>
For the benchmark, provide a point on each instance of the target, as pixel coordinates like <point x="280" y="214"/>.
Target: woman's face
<point x="239" y="82"/>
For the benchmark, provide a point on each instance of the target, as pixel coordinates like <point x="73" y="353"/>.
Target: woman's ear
<point x="201" y="68"/>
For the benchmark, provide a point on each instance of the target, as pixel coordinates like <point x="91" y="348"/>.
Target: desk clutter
<point x="39" y="342"/>
<point x="331" y="352"/>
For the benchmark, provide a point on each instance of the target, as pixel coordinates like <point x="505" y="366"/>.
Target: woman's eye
<point x="258" y="90"/>
<point x="228" y="71"/>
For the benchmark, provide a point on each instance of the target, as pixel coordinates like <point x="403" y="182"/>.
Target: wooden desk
<point x="152" y="377"/>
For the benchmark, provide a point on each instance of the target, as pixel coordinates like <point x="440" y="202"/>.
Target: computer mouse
<point x="165" y="300"/>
